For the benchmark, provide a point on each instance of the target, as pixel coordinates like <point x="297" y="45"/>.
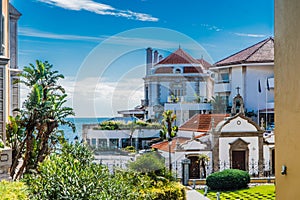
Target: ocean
<point x="69" y="135"/>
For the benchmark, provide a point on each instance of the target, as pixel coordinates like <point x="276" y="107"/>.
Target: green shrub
<point x="229" y="179"/>
<point x="162" y="191"/>
<point x="148" y="163"/>
<point x="71" y="174"/>
<point x="130" y="149"/>
<point x="13" y="190"/>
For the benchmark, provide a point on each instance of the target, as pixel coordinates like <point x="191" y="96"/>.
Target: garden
<point x="233" y="184"/>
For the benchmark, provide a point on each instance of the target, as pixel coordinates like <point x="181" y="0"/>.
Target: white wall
<point x="224" y="148"/>
<point x="236" y="81"/>
<point x="253" y="99"/>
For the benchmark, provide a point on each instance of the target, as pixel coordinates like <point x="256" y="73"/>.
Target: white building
<point x="252" y="71"/>
<point x="179" y="83"/>
<point x="227" y="141"/>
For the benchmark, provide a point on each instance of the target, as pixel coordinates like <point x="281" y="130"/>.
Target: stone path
<point x="194" y="195"/>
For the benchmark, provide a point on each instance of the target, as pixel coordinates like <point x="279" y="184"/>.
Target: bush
<point x="171" y="191"/>
<point x="13" y="190"/>
<point x="229" y="179"/>
<point x="71" y="174"/>
<point x="148" y="163"/>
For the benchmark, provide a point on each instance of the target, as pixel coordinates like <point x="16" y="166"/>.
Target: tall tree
<point x="34" y="133"/>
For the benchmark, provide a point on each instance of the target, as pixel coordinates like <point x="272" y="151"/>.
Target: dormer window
<point x="177" y="71"/>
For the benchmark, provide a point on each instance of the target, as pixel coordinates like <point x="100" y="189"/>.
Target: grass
<point x="256" y="192"/>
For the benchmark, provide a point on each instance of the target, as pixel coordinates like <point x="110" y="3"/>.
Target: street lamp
<point x="170" y="160"/>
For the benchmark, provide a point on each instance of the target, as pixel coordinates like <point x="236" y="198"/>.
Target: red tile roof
<point x="204" y="63"/>
<point x="202" y="122"/>
<point x="178" y="57"/>
<point x="261" y="52"/>
<point x="164" y="145"/>
<point x="192" y="70"/>
<point x="164" y="70"/>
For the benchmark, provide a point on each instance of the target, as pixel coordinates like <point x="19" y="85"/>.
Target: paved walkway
<point x="194" y="195"/>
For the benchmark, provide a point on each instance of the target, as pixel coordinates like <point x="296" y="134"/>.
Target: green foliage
<point x="171" y="191"/>
<point x="33" y="133"/>
<point x="13" y="190"/>
<point x="150" y="162"/>
<point x="121" y="125"/>
<point x="110" y="125"/>
<point x="168" y="130"/>
<point x="229" y="179"/>
<point x="71" y="174"/>
<point x="130" y="149"/>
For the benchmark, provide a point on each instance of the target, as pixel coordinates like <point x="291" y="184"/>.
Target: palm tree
<point x="42" y="113"/>
<point x="168" y="128"/>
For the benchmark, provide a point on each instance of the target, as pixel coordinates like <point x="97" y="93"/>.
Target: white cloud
<point x="29" y="32"/>
<point x="99" y="8"/>
<point x="211" y="27"/>
<point x="103" y="99"/>
<point x="250" y="35"/>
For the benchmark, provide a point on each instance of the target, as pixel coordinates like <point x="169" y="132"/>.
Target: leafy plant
<point x="168" y="129"/>
<point x="33" y="133"/>
<point x="229" y="179"/>
<point x="13" y="190"/>
<point x="71" y="174"/>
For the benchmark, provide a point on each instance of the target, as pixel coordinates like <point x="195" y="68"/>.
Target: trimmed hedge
<point x="229" y="179"/>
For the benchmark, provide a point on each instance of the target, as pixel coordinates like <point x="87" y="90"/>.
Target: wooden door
<point x="194" y="171"/>
<point x="239" y="160"/>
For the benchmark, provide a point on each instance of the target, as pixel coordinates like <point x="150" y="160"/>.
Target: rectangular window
<point x="94" y="142"/>
<point x="102" y="143"/>
<point x="2" y="31"/>
<point x="113" y="143"/>
<point x="224" y="78"/>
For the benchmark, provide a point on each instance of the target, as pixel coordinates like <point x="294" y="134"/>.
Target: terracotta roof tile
<point x="178" y="57"/>
<point x="202" y="122"/>
<point x="192" y="70"/>
<point x="164" y="145"/>
<point x="164" y="70"/>
<point x="258" y="53"/>
<point x="204" y="63"/>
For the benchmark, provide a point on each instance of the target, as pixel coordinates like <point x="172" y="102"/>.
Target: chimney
<point x="155" y="56"/>
<point x="148" y="60"/>
<point x="160" y="57"/>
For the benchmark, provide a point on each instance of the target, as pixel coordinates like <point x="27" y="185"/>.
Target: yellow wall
<point x="287" y="98"/>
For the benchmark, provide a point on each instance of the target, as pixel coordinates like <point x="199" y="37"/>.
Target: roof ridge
<point x="263" y="43"/>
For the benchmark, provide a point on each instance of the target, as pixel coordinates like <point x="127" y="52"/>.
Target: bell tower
<point x="237" y="104"/>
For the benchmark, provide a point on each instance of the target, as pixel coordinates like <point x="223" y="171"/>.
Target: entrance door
<point x="194" y="167"/>
<point x="239" y="160"/>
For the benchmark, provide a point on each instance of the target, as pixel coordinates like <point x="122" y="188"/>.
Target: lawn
<point x="256" y="192"/>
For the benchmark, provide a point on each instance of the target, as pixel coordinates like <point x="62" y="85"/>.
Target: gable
<point x="239" y="124"/>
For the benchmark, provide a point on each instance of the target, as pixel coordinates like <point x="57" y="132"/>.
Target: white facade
<point x="179" y="83"/>
<point x="113" y="139"/>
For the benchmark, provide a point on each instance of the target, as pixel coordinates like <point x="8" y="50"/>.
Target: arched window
<point x="177" y="71"/>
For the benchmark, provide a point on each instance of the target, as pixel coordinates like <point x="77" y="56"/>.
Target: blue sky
<point x="68" y="33"/>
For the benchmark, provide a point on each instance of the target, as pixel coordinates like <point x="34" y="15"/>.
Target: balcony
<point x="222" y="87"/>
<point x="187" y="106"/>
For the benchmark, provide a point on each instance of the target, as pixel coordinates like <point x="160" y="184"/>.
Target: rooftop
<point x="178" y="57"/>
<point x="261" y="52"/>
<point x="202" y="122"/>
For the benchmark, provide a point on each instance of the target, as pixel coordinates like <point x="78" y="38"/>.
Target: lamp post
<point x="170" y="160"/>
